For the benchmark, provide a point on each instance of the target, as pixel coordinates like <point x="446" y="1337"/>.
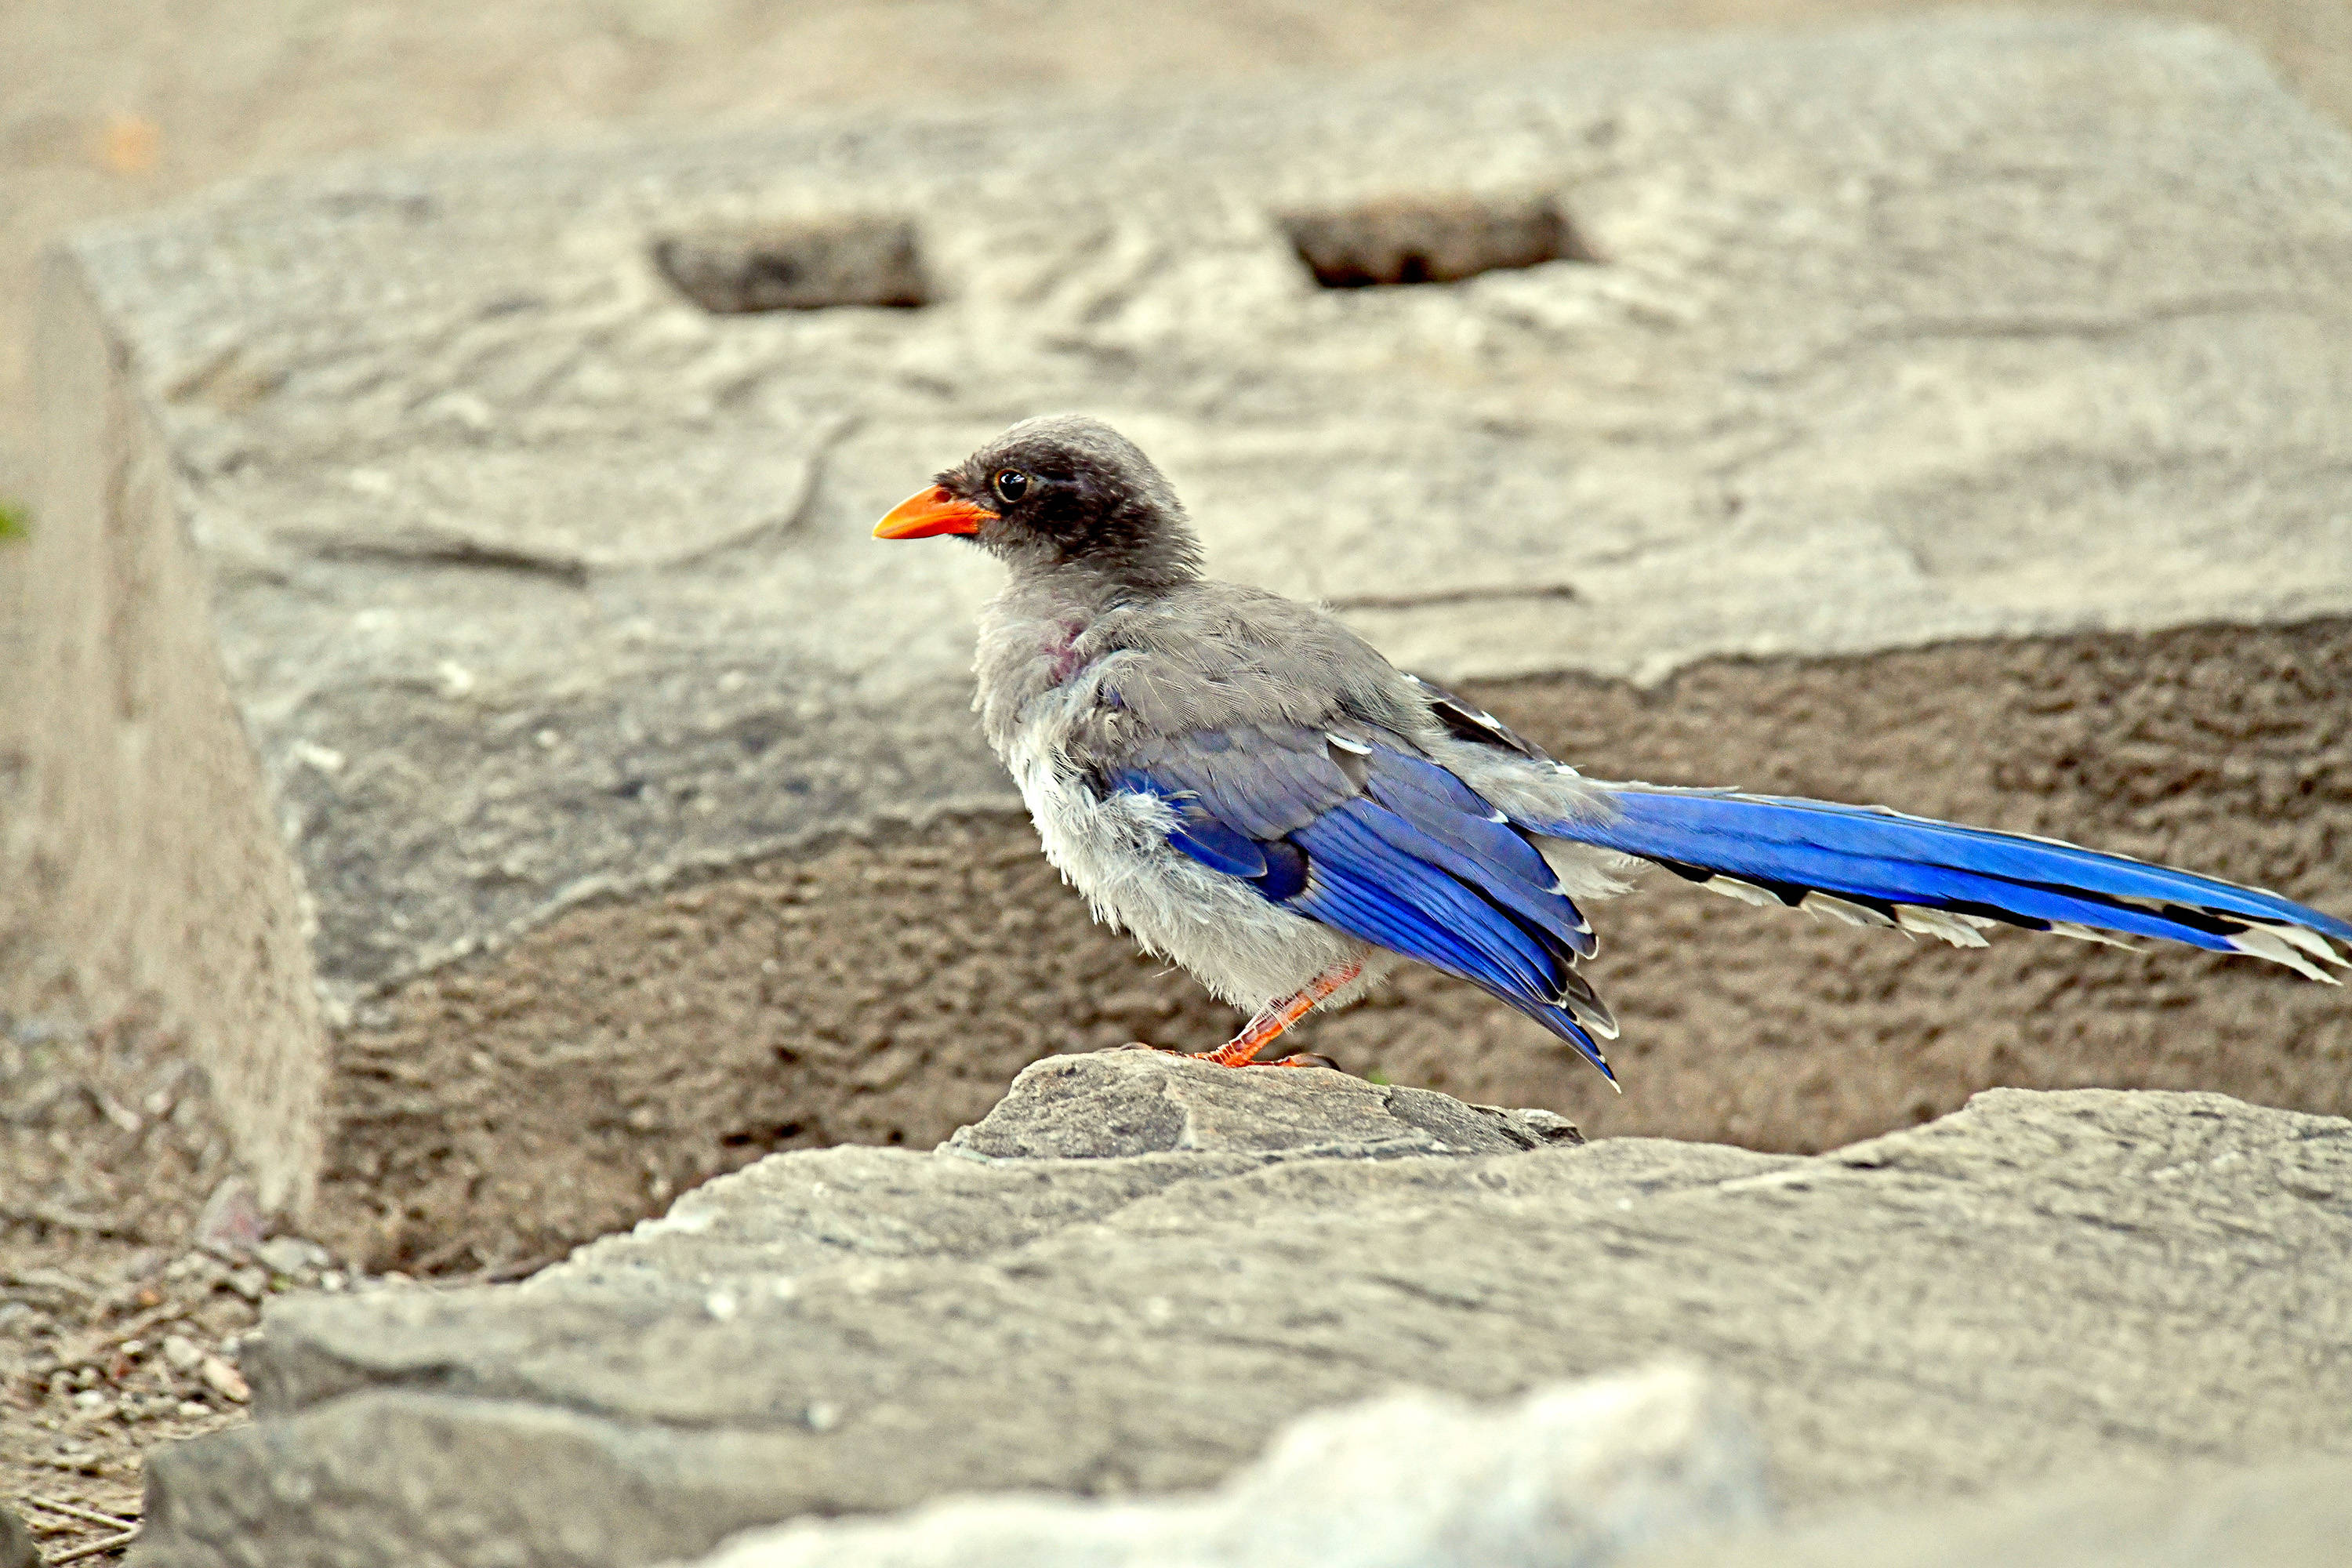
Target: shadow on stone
<point x="871" y="261"/>
<point x="1431" y="241"/>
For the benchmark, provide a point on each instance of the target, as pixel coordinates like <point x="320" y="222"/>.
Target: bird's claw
<point x="1298" y="1060"/>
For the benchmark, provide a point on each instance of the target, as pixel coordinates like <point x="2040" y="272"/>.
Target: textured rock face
<point x="449" y="545"/>
<point x="2291" y="1515"/>
<point x="2043" y="1283"/>
<point x="879" y="992"/>
<point x="1576" y="1477"/>
<point x="1188" y="1111"/>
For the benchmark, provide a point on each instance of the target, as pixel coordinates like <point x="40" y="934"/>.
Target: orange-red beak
<point x="928" y="512"/>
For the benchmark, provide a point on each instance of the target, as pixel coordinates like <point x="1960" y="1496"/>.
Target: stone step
<point x="2127" y="1283"/>
<point x="460" y="685"/>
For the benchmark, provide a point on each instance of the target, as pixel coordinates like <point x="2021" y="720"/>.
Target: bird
<point x="1250" y="789"/>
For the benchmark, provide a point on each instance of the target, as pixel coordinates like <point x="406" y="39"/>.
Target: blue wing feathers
<point x="1502" y="947"/>
<point x="1340" y="898"/>
<point x="1444" y="811"/>
<point x="1416" y="862"/>
<point x="1219" y="848"/>
<point x="1366" y="908"/>
<point x="1524" y="894"/>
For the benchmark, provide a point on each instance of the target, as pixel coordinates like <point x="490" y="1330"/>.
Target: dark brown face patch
<point x="1082" y="501"/>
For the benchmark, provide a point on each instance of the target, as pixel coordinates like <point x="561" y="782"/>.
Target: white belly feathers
<point x="1114" y="848"/>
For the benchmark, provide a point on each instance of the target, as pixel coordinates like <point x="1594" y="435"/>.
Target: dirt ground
<point x="117" y="1330"/>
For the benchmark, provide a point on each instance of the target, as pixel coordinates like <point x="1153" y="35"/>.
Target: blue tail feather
<point x="1870" y="856"/>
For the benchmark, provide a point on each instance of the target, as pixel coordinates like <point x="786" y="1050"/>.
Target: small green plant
<point x="14" y="524"/>
<point x="1379" y="1076"/>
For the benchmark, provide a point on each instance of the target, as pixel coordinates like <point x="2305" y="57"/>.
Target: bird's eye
<point x="1011" y="485"/>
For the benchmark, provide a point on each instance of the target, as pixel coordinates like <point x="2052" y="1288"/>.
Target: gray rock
<point x="2039" y="1284"/>
<point x="1076" y="1141"/>
<point x="1105" y="1110"/>
<point x="2291" y="1515"/>
<point x="1572" y="1477"/>
<point x="421" y="559"/>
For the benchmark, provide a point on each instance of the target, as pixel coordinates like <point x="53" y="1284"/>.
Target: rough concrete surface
<point x="2296" y="1514"/>
<point x="495" y="523"/>
<point x="114" y="105"/>
<point x="482" y="1117"/>
<point x="2137" y="1284"/>
<point x="1577" y="1475"/>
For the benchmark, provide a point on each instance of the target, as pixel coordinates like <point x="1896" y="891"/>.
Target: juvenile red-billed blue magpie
<point x="1252" y="790"/>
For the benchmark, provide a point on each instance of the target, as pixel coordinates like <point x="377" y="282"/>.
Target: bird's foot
<point x="1242" y="1050"/>
<point x="1299" y="1060"/>
<point x="1221" y="1056"/>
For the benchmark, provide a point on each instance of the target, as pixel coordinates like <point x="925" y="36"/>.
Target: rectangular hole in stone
<point x="810" y="265"/>
<point x="1441" y="239"/>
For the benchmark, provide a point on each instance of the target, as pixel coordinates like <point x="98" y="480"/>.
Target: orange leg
<point x="1262" y="1031"/>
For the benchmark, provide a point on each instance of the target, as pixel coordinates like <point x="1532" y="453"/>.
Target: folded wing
<point x="1367" y="837"/>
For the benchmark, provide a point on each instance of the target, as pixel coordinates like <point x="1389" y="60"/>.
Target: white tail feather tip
<point x="2264" y="942"/>
<point x="1941" y="924"/>
<point x="1853" y="914"/>
<point x="2311" y="942"/>
<point x="1746" y="892"/>
<point x="2090" y="934"/>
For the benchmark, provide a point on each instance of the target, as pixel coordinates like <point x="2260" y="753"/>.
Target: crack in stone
<point x="1556" y="591"/>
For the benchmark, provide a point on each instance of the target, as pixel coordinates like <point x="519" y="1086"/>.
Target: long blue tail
<point x="1876" y="867"/>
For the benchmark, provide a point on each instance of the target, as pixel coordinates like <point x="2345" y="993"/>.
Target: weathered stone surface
<point x="2041" y="1283"/>
<point x="1077" y="1140"/>
<point x="886" y="992"/>
<point x="1574" y="1476"/>
<point x="1090" y="1108"/>
<point x="2294" y="1515"/>
<point x="462" y="569"/>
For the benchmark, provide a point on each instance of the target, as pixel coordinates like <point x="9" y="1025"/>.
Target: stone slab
<point x="501" y="519"/>
<point x="501" y="574"/>
<point x="885" y="992"/>
<point x="1579" y="1476"/>
<point x="2135" y="1283"/>
<point x="2296" y="1514"/>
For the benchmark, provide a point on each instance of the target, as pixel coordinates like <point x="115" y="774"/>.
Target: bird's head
<point x="1055" y="492"/>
